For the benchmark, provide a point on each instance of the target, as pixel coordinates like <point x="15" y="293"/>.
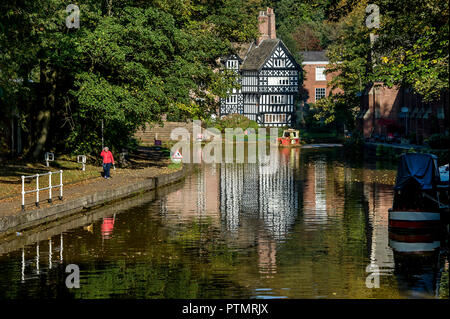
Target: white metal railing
<point x="37" y="189"/>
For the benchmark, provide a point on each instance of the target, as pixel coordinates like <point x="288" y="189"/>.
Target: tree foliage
<point x="235" y="121"/>
<point x="129" y="63"/>
<point x="348" y="56"/>
<point x="410" y="50"/>
<point x="302" y="25"/>
<point x="412" y="46"/>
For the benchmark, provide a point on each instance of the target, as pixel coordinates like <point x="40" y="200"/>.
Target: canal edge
<point x="27" y="220"/>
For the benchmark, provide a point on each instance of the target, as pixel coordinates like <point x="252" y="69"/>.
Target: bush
<point x="355" y="144"/>
<point x="439" y="141"/>
<point x="235" y="121"/>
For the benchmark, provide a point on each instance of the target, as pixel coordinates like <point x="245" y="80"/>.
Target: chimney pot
<point x="266" y="21"/>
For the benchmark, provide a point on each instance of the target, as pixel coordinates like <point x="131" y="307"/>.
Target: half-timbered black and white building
<point x="269" y="78"/>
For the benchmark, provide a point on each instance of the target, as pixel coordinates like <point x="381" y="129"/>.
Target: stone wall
<point x="69" y="207"/>
<point x="150" y="133"/>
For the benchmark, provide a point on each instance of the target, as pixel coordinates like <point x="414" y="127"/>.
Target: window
<point x="232" y="99"/>
<point x="278" y="81"/>
<point x="232" y="64"/>
<point x="320" y="74"/>
<point x="250" y="98"/>
<point x="320" y="93"/>
<point x="279" y="63"/>
<point x="277" y="99"/>
<point x="275" y="118"/>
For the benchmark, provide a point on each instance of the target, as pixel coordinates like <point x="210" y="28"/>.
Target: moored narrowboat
<point x="289" y="138"/>
<point x="412" y="242"/>
<point x="421" y="196"/>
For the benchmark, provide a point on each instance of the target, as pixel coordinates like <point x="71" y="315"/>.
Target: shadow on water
<point x="305" y="226"/>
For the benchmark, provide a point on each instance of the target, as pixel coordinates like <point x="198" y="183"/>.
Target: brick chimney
<point x="266" y="21"/>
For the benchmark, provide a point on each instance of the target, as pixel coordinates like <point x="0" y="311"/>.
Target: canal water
<point x="312" y="225"/>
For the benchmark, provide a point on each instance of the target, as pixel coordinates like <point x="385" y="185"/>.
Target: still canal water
<point x="314" y="226"/>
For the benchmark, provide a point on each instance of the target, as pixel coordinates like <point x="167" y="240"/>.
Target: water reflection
<point x="31" y="268"/>
<point x="307" y="227"/>
<point x="315" y="193"/>
<point x="418" y="262"/>
<point x="267" y="191"/>
<point x="267" y="258"/>
<point x="108" y="226"/>
<point x="379" y="199"/>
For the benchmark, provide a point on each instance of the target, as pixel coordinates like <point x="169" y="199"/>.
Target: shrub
<point x="235" y="121"/>
<point x="439" y="141"/>
<point x="355" y="144"/>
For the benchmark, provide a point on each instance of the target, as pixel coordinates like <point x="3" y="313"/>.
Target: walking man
<point x="108" y="159"/>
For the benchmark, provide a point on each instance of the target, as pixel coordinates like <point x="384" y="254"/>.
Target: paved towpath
<point x="147" y="163"/>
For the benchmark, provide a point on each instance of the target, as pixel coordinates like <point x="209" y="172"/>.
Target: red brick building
<point x="399" y="111"/>
<point x="315" y="81"/>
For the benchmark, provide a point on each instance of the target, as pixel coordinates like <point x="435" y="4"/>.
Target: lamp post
<point x="102" y="137"/>
<point x="405" y="110"/>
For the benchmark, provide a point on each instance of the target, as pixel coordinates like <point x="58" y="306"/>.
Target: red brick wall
<point x="310" y="84"/>
<point x="383" y="103"/>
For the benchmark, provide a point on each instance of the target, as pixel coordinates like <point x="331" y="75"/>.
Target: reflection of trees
<point x="163" y="250"/>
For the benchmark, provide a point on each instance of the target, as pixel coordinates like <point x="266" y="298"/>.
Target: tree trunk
<point x="42" y="126"/>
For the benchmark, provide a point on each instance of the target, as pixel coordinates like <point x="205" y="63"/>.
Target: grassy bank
<point x="311" y="137"/>
<point x="11" y="171"/>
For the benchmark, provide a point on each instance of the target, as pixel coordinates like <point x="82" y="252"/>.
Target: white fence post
<point x="60" y="185"/>
<point x="37" y="190"/>
<point x="23" y="193"/>
<point x="82" y="159"/>
<point x="50" y="187"/>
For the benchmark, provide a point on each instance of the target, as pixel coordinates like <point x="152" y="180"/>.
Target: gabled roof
<point x="241" y="49"/>
<point x="233" y="56"/>
<point x="258" y="55"/>
<point x="314" y="56"/>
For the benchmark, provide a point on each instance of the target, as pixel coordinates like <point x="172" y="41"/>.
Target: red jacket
<point x="107" y="157"/>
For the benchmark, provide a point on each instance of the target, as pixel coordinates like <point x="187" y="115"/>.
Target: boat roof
<point x="418" y="167"/>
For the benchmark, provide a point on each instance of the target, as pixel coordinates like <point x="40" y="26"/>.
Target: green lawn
<point x="10" y="173"/>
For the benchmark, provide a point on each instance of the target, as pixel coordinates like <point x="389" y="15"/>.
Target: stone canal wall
<point x="56" y="227"/>
<point x="36" y="217"/>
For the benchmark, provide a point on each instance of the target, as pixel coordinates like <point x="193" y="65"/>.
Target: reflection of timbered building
<point x="267" y="191"/>
<point x="269" y="79"/>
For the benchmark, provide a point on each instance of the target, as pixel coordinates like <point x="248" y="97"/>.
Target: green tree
<point x="412" y="46"/>
<point x="127" y="64"/>
<point x="411" y="50"/>
<point x="349" y="61"/>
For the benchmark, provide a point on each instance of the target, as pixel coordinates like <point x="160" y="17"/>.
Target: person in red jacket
<point x="108" y="159"/>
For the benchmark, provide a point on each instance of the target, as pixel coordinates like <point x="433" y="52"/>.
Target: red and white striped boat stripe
<point x="413" y="238"/>
<point x="408" y="224"/>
